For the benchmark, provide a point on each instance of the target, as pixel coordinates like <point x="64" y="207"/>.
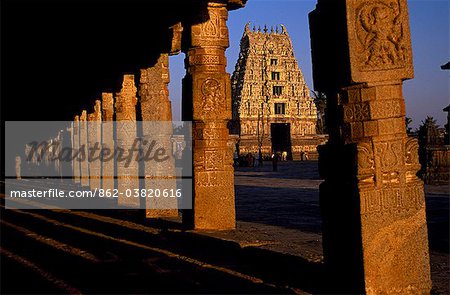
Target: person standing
<point x="274" y="162"/>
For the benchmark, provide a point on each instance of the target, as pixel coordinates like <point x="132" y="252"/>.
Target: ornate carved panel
<point x="382" y="48"/>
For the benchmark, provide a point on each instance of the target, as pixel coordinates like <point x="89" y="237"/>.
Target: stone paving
<point x="287" y="198"/>
<point x="277" y="247"/>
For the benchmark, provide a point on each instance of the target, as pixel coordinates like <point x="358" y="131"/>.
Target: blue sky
<point x="427" y="94"/>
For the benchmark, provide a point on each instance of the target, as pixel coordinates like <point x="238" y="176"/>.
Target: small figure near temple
<point x="284" y="156"/>
<point x="274" y="162"/>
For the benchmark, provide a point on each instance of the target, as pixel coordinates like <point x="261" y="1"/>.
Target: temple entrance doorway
<point x="281" y="138"/>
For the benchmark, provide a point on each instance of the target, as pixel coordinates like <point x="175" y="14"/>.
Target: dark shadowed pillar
<point x="373" y="205"/>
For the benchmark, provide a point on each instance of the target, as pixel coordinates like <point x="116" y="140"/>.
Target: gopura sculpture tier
<point x="272" y="105"/>
<point x="373" y="204"/>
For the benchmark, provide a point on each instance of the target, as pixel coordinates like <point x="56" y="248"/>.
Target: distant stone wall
<point x="438" y="165"/>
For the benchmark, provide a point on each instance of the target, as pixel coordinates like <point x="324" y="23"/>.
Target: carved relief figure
<point x="212" y="95"/>
<point x="380" y="31"/>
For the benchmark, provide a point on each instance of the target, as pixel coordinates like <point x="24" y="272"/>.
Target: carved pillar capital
<point x="126" y="100"/>
<point x="209" y="39"/>
<point x="83" y="116"/>
<point x="177" y="31"/>
<point x="107" y="106"/>
<point x="154" y="92"/>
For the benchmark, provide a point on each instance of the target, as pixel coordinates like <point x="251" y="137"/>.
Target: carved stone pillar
<point x="84" y="163"/>
<point x="76" y="147"/>
<point x="156" y="112"/>
<point x="207" y="102"/>
<point x="94" y="144"/>
<point x="373" y="204"/>
<point x="108" y="142"/>
<point x="58" y="149"/>
<point x="126" y="140"/>
<point x="67" y="166"/>
<point x="18" y="167"/>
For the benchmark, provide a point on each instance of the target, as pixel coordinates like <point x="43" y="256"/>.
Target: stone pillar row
<point x="206" y="102"/>
<point x="98" y="128"/>
<point x="47" y="155"/>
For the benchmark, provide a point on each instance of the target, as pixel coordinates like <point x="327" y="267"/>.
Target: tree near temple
<point x="428" y="132"/>
<point x="428" y="136"/>
<point x="408" y="122"/>
<point x="320" y="100"/>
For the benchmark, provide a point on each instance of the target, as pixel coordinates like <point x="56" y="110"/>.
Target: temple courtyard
<point x="275" y="249"/>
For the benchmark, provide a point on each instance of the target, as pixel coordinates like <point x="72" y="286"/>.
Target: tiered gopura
<point x="156" y="113"/>
<point x="94" y="142"/>
<point x="269" y="91"/>
<point x="207" y="103"/>
<point x="374" y="230"/>
<point x="108" y="141"/>
<point x="84" y="164"/>
<point x="126" y="136"/>
<point x="76" y="146"/>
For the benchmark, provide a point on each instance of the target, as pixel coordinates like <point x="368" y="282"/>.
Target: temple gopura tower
<point x="272" y="105"/>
